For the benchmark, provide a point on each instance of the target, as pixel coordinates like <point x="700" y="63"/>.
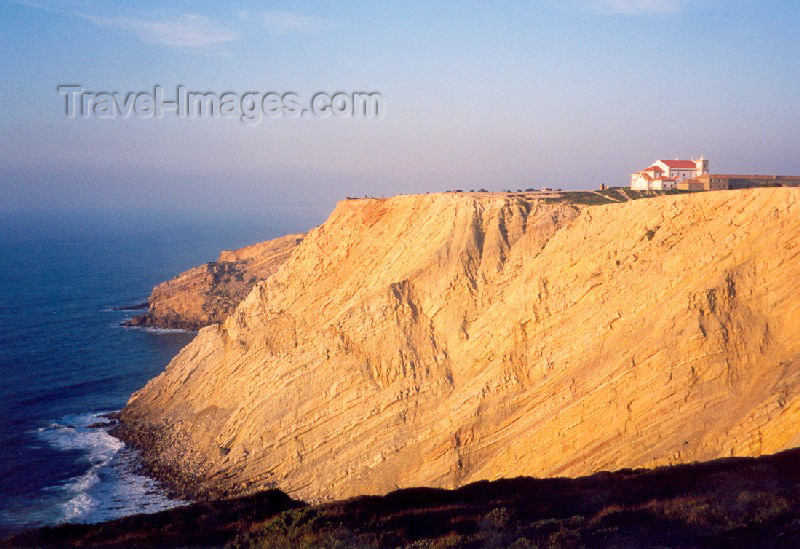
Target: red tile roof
<point x="654" y="169"/>
<point x="679" y="164"/>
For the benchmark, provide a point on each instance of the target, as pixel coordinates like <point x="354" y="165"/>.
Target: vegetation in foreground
<point x="734" y="502"/>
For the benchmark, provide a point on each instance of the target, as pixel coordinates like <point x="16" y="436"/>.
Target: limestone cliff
<point x="441" y="339"/>
<point x="207" y="294"/>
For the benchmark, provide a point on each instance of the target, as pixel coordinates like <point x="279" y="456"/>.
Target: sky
<point x="570" y="94"/>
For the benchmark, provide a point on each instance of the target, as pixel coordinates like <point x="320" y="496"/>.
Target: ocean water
<point x="65" y="361"/>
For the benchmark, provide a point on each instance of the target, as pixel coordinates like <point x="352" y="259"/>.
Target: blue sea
<point x="65" y="361"/>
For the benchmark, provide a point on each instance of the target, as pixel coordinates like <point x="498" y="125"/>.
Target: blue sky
<point x="569" y="93"/>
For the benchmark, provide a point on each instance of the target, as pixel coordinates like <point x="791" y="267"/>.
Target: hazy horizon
<point x="559" y="93"/>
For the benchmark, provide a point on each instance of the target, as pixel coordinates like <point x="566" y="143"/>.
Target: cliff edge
<point x="206" y="294"/>
<point x="442" y="339"/>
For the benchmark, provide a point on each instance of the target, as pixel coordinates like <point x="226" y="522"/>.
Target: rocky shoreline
<point x="166" y="456"/>
<point x="167" y="322"/>
<point x="208" y="293"/>
<point x="170" y="474"/>
<point x="137" y="307"/>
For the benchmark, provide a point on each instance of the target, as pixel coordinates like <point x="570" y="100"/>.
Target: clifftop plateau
<point x="443" y="339"/>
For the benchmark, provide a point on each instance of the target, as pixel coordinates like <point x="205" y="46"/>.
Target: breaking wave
<point x="110" y="487"/>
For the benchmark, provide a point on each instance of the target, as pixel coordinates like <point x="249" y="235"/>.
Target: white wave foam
<point x="110" y="487"/>
<point x="78" y="506"/>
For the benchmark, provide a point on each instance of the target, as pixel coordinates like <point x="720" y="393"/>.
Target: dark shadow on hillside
<point x="735" y="502"/>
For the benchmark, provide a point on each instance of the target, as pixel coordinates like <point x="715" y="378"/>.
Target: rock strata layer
<point x="207" y="294"/>
<point x="442" y="339"/>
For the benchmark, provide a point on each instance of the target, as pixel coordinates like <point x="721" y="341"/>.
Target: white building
<point x="666" y="174"/>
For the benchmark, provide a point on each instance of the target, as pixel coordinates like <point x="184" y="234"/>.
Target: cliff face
<point x="207" y="294"/>
<point x="442" y="339"/>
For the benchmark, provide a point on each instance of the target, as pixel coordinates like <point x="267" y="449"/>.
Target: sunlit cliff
<point x="442" y="339"/>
